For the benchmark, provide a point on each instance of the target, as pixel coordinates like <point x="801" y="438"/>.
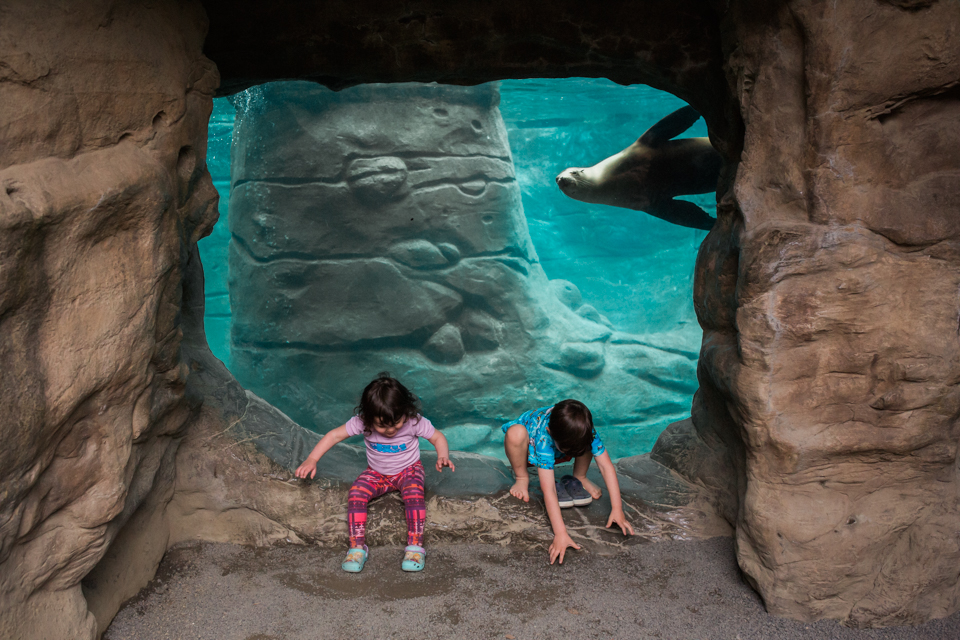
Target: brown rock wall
<point x="103" y="132"/>
<point x="840" y="368"/>
<point x="826" y="423"/>
<point x="669" y="44"/>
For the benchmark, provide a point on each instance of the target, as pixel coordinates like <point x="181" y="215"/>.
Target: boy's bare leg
<point x="515" y="443"/>
<point x="580" y="466"/>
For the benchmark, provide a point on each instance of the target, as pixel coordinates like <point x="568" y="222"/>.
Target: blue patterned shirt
<point x="543" y="452"/>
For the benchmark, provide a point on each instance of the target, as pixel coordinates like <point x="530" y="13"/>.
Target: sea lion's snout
<point x="567" y="180"/>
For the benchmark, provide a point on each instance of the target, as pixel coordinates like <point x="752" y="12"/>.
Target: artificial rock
<point x="825" y="425"/>
<point x="103" y="191"/>
<point x="828" y="302"/>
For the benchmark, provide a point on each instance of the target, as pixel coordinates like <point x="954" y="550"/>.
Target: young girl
<point x="389" y="418"/>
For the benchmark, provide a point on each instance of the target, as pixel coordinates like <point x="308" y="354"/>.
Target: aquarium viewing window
<point x="418" y="229"/>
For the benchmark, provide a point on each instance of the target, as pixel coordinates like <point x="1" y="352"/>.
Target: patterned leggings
<point x="371" y="484"/>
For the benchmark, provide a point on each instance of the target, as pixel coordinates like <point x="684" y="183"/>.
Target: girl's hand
<point x="309" y="468"/>
<point x="617" y="517"/>
<point x="559" y="546"/>
<point x="444" y="462"/>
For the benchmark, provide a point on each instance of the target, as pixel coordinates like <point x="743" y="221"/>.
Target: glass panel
<point x="418" y="229"/>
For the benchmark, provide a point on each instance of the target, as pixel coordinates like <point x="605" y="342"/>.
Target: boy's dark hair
<point x="385" y="398"/>
<point x="571" y="427"/>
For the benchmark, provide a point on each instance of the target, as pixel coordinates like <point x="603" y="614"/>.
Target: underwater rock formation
<point x="381" y="228"/>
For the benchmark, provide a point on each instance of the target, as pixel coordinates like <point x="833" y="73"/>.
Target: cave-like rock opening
<point x="825" y="425"/>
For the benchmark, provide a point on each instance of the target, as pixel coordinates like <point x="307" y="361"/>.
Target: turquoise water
<point x="634" y="269"/>
<point x="213" y="248"/>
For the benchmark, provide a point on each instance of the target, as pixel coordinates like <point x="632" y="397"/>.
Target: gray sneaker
<point x="580" y="496"/>
<point x="566" y="501"/>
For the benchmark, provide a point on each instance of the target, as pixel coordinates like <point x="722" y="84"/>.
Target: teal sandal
<point x="413" y="558"/>
<point x="356" y="558"/>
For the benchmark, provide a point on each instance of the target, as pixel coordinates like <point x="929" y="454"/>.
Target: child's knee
<point x="413" y="497"/>
<point x="413" y="500"/>
<point x="356" y="494"/>
<point x="413" y="489"/>
<point x="516" y="435"/>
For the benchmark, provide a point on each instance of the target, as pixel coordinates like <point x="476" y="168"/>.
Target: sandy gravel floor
<point x="669" y="590"/>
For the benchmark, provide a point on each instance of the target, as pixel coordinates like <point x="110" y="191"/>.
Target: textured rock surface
<point x="829" y="301"/>
<point x="380" y="228"/>
<point x="669" y="44"/>
<point x="103" y="131"/>
<point x="827" y="289"/>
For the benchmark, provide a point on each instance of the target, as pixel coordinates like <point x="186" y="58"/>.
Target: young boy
<point x="548" y="436"/>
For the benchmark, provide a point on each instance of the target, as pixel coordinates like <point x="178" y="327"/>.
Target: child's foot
<point x="591" y="488"/>
<point x="413" y="558"/>
<point x="521" y="489"/>
<point x="356" y="557"/>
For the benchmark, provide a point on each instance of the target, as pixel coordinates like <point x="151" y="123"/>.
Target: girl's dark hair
<point x="571" y="427"/>
<point x="385" y="398"/>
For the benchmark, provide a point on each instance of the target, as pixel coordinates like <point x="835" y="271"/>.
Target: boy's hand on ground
<point x="308" y="468"/>
<point x="617" y="517"/>
<point x="444" y="462"/>
<point x="559" y="546"/>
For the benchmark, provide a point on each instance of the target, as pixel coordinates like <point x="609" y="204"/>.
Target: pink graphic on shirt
<point x="390" y="456"/>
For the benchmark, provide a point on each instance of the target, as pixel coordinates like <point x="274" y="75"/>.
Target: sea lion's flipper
<point x="669" y="127"/>
<point x="683" y="213"/>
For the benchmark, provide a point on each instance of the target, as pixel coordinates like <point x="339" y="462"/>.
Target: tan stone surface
<point x="826" y="423"/>
<point x="829" y="299"/>
<point x="103" y="131"/>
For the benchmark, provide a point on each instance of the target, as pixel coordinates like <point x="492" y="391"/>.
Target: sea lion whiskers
<point x="572" y="183"/>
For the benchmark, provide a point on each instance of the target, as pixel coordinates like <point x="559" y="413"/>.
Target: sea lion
<point x="649" y="173"/>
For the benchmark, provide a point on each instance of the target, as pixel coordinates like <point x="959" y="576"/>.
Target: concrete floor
<point x="668" y="590"/>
